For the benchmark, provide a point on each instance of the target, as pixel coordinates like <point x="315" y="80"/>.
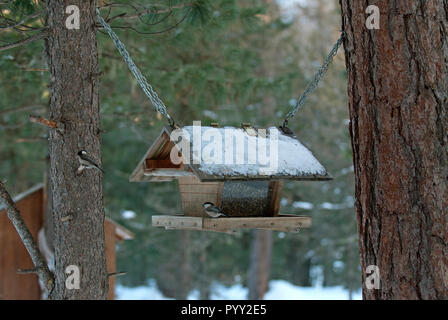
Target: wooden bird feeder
<point x="249" y="194"/>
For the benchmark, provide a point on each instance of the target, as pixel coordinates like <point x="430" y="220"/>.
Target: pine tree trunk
<point x="299" y="265"/>
<point x="260" y="264"/>
<point x="398" y="96"/>
<point x="184" y="267"/>
<point x="78" y="241"/>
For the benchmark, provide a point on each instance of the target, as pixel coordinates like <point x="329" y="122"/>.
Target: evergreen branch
<point x="23" y="29"/>
<point x="19" y="109"/>
<point x="16" y="218"/>
<point x="152" y="10"/>
<point x="3" y="126"/>
<point x="35" y="37"/>
<point x="16" y="24"/>
<point x="156" y="32"/>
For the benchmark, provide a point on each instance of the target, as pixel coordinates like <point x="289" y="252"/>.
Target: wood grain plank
<point x="177" y="222"/>
<point x="286" y="223"/>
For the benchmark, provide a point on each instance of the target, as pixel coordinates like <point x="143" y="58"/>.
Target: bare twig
<point x="116" y="274"/>
<point x="36" y="69"/>
<point x="111" y="56"/>
<point x="22" y="42"/>
<point x="16" y="24"/>
<point x="25" y="29"/>
<point x="27" y="271"/>
<point x="14" y="215"/>
<point x="45" y="122"/>
<point x="156" y="32"/>
<point x="152" y="10"/>
<point x="146" y="11"/>
<point x="155" y="8"/>
<point x="4" y="126"/>
<point x="19" y="109"/>
<point x="36" y="139"/>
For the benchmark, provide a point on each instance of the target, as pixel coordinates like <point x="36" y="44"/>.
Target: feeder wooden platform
<point x="285" y="223"/>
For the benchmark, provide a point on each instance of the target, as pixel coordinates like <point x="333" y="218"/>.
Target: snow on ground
<point x="148" y="292"/>
<point x="283" y="290"/>
<point x="128" y="214"/>
<point x="278" y="290"/>
<point x="302" y="205"/>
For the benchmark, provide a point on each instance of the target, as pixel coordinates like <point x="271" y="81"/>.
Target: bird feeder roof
<point x="229" y="153"/>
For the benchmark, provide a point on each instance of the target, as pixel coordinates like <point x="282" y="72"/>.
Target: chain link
<point x="142" y="81"/>
<point x="317" y="77"/>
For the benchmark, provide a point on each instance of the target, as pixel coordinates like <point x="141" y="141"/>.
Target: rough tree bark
<point x="260" y="264"/>
<point x="398" y="96"/>
<point x="77" y="200"/>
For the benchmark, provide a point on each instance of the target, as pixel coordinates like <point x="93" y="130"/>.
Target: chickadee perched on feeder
<point x="85" y="162"/>
<point x="213" y="211"/>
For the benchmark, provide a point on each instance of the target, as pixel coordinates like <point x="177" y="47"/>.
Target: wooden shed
<point x="14" y="256"/>
<point x="246" y="189"/>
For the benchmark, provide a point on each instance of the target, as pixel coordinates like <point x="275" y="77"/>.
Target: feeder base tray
<point x="285" y="223"/>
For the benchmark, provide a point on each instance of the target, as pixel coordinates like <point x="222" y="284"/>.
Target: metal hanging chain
<point x="317" y="77"/>
<point x="142" y="81"/>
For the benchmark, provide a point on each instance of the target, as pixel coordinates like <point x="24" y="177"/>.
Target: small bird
<point x="213" y="211"/>
<point x="85" y="162"/>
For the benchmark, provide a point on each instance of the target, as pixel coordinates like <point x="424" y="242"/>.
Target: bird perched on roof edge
<point x="85" y="162"/>
<point x="213" y="211"/>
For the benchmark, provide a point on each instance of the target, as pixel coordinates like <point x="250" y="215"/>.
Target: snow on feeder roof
<point x="229" y="153"/>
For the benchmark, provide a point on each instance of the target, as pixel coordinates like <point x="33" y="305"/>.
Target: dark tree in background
<point x="77" y="199"/>
<point x="398" y="101"/>
<point x="260" y="264"/>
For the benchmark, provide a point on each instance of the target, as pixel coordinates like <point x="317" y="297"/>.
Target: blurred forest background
<point x="228" y="61"/>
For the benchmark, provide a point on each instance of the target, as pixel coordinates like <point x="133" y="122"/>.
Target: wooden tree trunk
<point x="184" y="267"/>
<point x="79" y="241"/>
<point x="260" y="264"/>
<point x="398" y="101"/>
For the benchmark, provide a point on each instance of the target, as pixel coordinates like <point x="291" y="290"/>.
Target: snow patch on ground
<point x="147" y="292"/>
<point x="278" y="290"/>
<point x="302" y="205"/>
<point x="283" y="290"/>
<point x="128" y="214"/>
